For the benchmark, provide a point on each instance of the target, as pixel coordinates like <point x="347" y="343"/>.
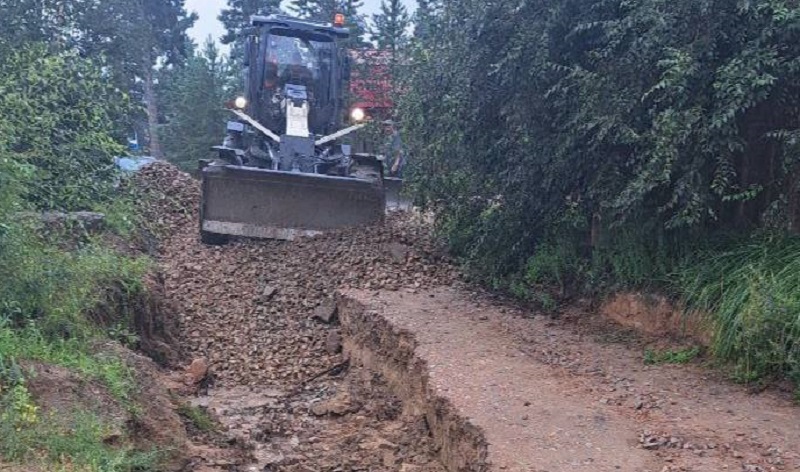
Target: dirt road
<point x="555" y="396"/>
<point x="517" y="392"/>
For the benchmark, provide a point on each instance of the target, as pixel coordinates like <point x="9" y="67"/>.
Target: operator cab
<point x="291" y="60"/>
<point x="283" y="52"/>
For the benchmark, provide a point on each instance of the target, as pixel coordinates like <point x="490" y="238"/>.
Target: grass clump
<point x="53" y="288"/>
<point x="198" y="416"/>
<point x="80" y="443"/>
<point x="669" y="356"/>
<point x="751" y="291"/>
<point x="29" y="343"/>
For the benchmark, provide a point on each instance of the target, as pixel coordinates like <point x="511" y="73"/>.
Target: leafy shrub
<point x="58" y="134"/>
<point x="63" y="120"/>
<point x="600" y="143"/>
<point x="617" y="112"/>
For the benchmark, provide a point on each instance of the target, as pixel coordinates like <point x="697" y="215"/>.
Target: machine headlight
<point x="240" y="103"/>
<point x="358" y="114"/>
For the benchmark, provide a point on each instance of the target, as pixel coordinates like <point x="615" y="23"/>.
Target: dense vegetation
<point x="69" y="83"/>
<point x="582" y="145"/>
<point x="193" y="113"/>
<point x="63" y="163"/>
<point x="606" y="143"/>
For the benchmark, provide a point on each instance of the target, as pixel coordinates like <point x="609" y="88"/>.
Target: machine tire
<point x="214" y="239"/>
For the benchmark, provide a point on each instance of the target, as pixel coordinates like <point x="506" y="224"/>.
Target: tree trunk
<point x="152" y="110"/>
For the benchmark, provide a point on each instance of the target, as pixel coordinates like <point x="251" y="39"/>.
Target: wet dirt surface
<point x="549" y="395"/>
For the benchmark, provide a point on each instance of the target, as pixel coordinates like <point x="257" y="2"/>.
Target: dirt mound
<point x="145" y="420"/>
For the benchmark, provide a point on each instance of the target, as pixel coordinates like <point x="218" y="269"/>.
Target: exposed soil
<point x="433" y="376"/>
<point x="655" y="315"/>
<point x="152" y="425"/>
<point x="549" y="395"/>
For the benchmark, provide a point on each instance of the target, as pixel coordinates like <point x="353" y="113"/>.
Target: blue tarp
<point x="133" y="163"/>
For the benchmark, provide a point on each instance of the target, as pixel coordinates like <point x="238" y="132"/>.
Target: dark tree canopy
<point x="193" y="96"/>
<point x="325" y="10"/>
<point x="390" y="30"/>
<point x="604" y="119"/>
<point x="237" y="15"/>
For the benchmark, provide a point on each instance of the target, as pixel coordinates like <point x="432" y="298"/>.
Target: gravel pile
<point x="248" y="307"/>
<point x="169" y="196"/>
<point x="261" y="315"/>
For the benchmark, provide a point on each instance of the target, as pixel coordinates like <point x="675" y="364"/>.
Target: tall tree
<point x="325" y="10"/>
<point x="160" y="28"/>
<point x="237" y="16"/>
<point x="391" y="26"/>
<point x="193" y="97"/>
<point x="134" y="36"/>
<point x="424" y="17"/>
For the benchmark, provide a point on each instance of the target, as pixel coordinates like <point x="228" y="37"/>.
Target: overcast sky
<point x="208" y="11"/>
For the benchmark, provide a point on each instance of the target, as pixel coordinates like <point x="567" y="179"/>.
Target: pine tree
<point x="133" y="36"/>
<point x="391" y="26"/>
<point x="325" y="10"/>
<point x="193" y="97"/>
<point x="237" y="16"/>
<point x="159" y="27"/>
<point x="424" y="18"/>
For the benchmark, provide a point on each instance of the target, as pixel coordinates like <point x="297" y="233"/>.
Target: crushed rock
<point x="261" y="313"/>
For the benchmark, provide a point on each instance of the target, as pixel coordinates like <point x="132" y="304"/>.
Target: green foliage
<point x="198" y="417"/>
<point x="131" y="38"/>
<point x="237" y="16"/>
<point x="680" y="356"/>
<point x="61" y="115"/>
<point x="54" y="288"/>
<point x="620" y="111"/>
<point x="193" y="98"/>
<point x="32" y="344"/>
<point x="390" y="29"/>
<point x="62" y="119"/>
<point x="76" y="444"/>
<point x="751" y="290"/>
<point x="596" y="144"/>
<point x="325" y="10"/>
<point x="16" y="405"/>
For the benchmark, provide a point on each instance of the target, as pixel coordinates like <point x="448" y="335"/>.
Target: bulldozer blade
<point x="260" y="203"/>
<point x="395" y="196"/>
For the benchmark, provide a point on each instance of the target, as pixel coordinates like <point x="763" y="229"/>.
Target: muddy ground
<point x="258" y="335"/>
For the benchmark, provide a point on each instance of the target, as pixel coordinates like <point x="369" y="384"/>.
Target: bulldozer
<point x="282" y="171"/>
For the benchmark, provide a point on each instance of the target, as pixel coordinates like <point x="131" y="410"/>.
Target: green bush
<point x="617" y="111"/>
<point x="597" y="144"/>
<point x="65" y="121"/>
